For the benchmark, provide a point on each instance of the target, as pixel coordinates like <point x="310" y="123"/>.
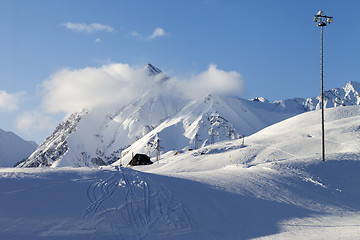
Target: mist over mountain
<point x="104" y="134"/>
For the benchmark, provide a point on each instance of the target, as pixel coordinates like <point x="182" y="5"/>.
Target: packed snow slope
<point x="274" y="186"/>
<point x="14" y="149"/>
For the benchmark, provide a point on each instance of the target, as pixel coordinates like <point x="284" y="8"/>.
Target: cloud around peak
<point x="115" y="84"/>
<point x="213" y="80"/>
<point x="72" y="90"/>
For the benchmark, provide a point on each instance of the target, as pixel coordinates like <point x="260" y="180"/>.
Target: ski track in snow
<point x="126" y="201"/>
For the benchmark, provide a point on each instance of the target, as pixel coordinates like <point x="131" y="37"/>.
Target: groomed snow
<point x="274" y="186"/>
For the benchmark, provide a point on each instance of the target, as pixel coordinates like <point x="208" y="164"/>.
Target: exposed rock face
<point x="55" y="146"/>
<point x="344" y="96"/>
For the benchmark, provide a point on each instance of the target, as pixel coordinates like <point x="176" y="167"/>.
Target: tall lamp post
<point x="322" y="20"/>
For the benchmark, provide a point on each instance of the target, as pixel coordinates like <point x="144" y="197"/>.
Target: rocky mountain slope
<point x="344" y="96"/>
<point x="207" y="121"/>
<point x="101" y="136"/>
<point x="55" y="146"/>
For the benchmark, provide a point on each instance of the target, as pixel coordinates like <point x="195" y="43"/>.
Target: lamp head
<point x="321" y="19"/>
<point x="320" y="13"/>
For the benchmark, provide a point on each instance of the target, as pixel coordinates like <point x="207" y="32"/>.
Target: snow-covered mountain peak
<point x="352" y="90"/>
<point x="100" y="136"/>
<point x="206" y="121"/>
<point x="14" y="149"/>
<point x="259" y="99"/>
<point x="353" y="86"/>
<point x="336" y="97"/>
<point x="104" y="135"/>
<point x="151" y="70"/>
<point x="56" y="145"/>
<point x="212" y="98"/>
<point x="344" y="96"/>
<point x="155" y="72"/>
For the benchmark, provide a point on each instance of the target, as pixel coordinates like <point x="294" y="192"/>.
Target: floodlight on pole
<point x="322" y="20"/>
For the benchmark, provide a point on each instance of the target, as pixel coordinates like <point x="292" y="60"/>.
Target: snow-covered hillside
<point x="14" y="149"/>
<point x="207" y="121"/>
<point x="272" y="186"/>
<point x="97" y="137"/>
<point x="102" y="135"/>
<point x="294" y="140"/>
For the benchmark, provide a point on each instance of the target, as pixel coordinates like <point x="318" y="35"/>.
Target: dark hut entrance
<point x="140" y="159"/>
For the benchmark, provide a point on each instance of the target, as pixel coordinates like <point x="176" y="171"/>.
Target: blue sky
<point x="273" y="45"/>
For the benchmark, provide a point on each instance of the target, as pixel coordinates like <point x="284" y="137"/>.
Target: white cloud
<point x="97" y="40"/>
<point x="88" y="28"/>
<point x="158" y="32"/>
<point x="32" y="122"/>
<point x="213" y="80"/>
<point x="9" y="101"/>
<point x="72" y="90"/>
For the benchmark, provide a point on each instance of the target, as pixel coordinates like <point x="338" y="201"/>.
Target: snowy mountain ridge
<point x="151" y="69"/>
<point x="55" y="146"/>
<point x="101" y="137"/>
<point x="14" y="149"/>
<point x="96" y="138"/>
<point x="344" y="96"/>
<point x="206" y="121"/>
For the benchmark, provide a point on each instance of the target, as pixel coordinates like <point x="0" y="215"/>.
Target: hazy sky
<point x="51" y="51"/>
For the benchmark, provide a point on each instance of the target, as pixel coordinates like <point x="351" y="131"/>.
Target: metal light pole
<point x="322" y="20"/>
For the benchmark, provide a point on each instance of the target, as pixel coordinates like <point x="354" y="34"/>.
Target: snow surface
<point x="271" y="186"/>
